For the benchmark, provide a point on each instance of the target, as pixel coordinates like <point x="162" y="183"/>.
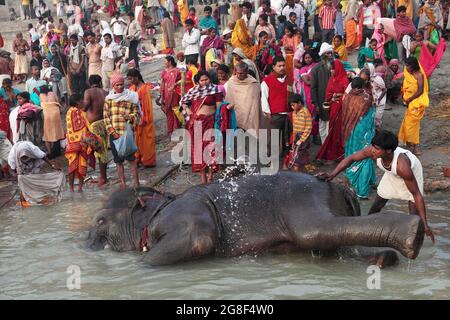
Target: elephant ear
<point x="146" y="202"/>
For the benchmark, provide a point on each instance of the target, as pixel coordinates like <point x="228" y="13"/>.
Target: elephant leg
<point x="187" y="242"/>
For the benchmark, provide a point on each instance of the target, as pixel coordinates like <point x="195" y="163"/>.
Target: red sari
<point x="202" y="123"/>
<point x="112" y="7"/>
<point x="169" y="97"/>
<point x="333" y="146"/>
<point x="4" y="119"/>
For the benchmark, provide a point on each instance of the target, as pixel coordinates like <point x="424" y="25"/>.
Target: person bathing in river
<point x="402" y="179"/>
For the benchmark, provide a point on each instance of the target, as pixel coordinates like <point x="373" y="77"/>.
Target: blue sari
<point x="361" y="174"/>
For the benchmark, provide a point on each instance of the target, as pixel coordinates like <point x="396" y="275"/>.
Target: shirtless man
<point x="94" y="99"/>
<point x="402" y="179"/>
<point x="94" y="50"/>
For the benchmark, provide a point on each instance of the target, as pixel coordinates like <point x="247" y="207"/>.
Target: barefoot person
<point x="121" y="106"/>
<point x="402" y="179"/>
<point x="94" y="100"/>
<point x="415" y="95"/>
<point x="78" y="153"/>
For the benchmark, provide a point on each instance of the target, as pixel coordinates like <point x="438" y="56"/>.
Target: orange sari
<point x="145" y="133"/>
<point x="290" y="46"/>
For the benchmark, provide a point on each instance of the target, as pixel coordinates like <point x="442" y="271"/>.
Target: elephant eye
<point x="100" y="221"/>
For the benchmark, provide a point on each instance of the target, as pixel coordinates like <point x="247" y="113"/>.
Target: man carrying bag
<point x="121" y="113"/>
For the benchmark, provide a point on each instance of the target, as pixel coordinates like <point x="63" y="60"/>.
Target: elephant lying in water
<point x="250" y="214"/>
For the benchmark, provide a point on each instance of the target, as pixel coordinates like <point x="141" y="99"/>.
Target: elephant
<point x="249" y="214"/>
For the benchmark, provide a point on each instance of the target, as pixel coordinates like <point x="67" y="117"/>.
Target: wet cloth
<point x="99" y="129"/>
<point x="410" y="129"/>
<point x="393" y="186"/>
<point x="40" y="187"/>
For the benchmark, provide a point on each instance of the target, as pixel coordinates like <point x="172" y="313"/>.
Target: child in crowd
<point x="298" y="128"/>
<point x="339" y="22"/>
<point x="281" y="27"/>
<point x="192" y="15"/>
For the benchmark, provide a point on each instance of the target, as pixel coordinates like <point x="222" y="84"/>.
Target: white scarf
<point x="125" y="95"/>
<point x="75" y="53"/>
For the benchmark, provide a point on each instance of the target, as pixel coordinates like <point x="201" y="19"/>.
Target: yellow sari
<point x="241" y="38"/>
<point x="341" y="51"/>
<point x="183" y="9"/>
<point x="410" y="129"/>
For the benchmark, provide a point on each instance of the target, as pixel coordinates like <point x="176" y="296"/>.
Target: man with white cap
<point x="320" y="75"/>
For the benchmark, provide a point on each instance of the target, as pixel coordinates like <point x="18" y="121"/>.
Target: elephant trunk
<point x="404" y="233"/>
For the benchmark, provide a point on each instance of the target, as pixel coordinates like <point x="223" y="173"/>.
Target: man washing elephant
<point x="402" y="179"/>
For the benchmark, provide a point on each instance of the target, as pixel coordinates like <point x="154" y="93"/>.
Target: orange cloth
<point x="145" y="133"/>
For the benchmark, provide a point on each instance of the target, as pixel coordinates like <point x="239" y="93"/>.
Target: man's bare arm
<point x="404" y="171"/>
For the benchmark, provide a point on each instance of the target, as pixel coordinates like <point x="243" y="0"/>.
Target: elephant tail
<point x="351" y="200"/>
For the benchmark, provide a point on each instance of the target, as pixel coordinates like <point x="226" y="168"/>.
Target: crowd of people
<point x="246" y="65"/>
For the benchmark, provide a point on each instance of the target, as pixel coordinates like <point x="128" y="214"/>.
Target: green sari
<point x="361" y="174"/>
<point x="364" y="53"/>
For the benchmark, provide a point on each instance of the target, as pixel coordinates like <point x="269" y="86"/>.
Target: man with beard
<point x="320" y="75"/>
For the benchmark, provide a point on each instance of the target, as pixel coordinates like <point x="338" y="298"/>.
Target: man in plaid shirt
<point x="121" y="106"/>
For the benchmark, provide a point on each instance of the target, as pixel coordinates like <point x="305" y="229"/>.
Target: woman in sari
<point x="290" y="42"/>
<point x="169" y="97"/>
<point x="78" y="153"/>
<point x="333" y="147"/>
<point x="8" y="93"/>
<point x="264" y="25"/>
<point x="351" y="16"/>
<point x="168" y="38"/>
<point x="144" y="133"/>
<point x="265" y="52"/>
<point x="381" y="41"/>
<point x="339" y="48"/>
<point x="212" y="48"/>
<point x="53" y="130"/>
<point x="368" y="54"/>
<point x="415" y="95"/>
<point x="303" y="87"/>
<point x="358" y="115"/>
<point x="112" y="7"/>
<point x="204" y="99"/>
<point x="183" y="9"/>
<point x="242" y="38"/>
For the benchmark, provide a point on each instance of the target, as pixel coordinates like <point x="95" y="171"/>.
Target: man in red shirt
<point x="327" y="18"/>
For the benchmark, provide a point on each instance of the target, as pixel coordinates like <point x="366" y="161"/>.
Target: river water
<point x="39" y="254"/>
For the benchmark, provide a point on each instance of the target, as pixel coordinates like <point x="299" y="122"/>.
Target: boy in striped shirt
<point x="298" y="128"/>
<point x="327" y="19"/>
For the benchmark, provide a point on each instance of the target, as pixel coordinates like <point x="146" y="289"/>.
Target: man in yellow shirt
<point x="26" y="9"/>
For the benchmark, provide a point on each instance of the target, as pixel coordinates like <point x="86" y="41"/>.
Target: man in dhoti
<point x="94" y="99"/>
<point x="402" y="179"/>
<point x="94" y="51"/>
<point x="109" y="53"/>
<point x="36" y="188"/>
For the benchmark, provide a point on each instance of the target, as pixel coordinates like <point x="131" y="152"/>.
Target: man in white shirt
<point x="118" y="26"/>
<point x="250" y="18"/>
<point x="299" y="11"/>
<point x="134" y="35"/>
<point x="110" y="52"/>
<point x="191" y="41"/>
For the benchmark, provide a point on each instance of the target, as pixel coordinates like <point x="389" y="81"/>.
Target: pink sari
<point x="381" y="39"/>
<point x="429" y="61"/>
<point x="305" y="90"/>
